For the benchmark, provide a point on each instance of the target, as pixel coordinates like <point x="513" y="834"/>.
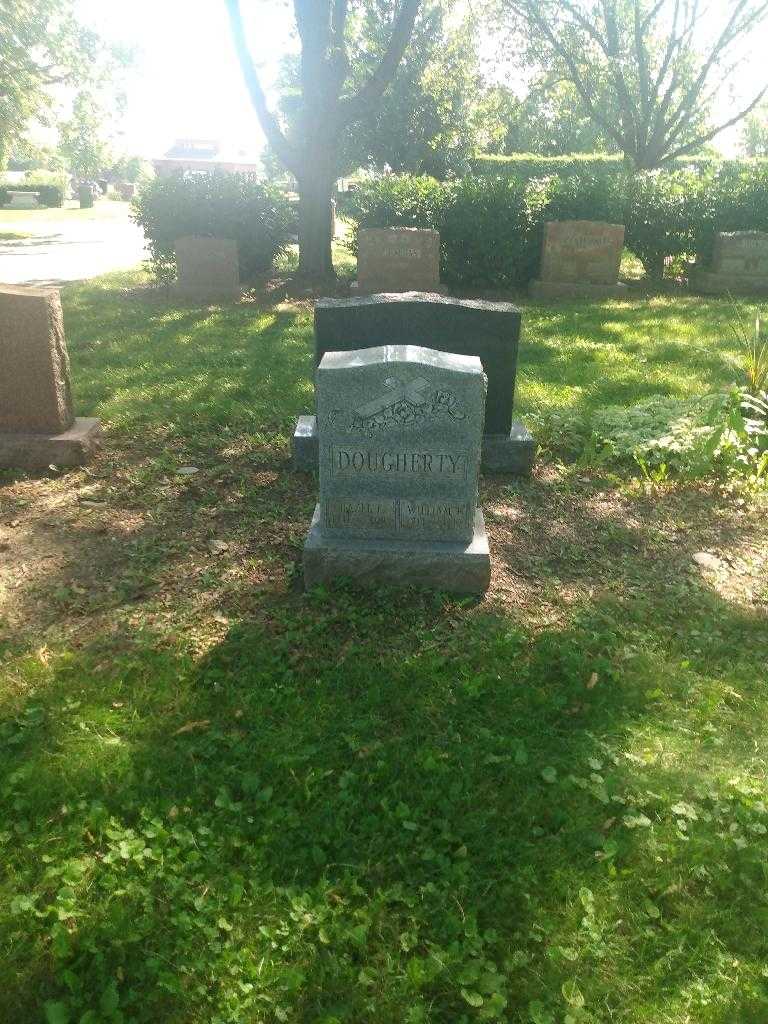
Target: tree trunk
<point x="315" y="228"/>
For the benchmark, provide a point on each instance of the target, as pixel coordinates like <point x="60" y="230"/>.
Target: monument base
<point x="502" y="453"/>
<point x="434" y="289"/>
<point x="438" y="565"/>
<point x="38" y="451"/>
<point x="213" y="295"/>
<point x="514" y="453"/>
<point x="576" y="290"/>
<point x="725" y="284"/>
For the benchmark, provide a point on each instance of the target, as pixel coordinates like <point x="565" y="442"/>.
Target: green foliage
<point x="754" y="133"/>
<point x="82" y="145"/>
<point x="666" y="213"/>
<point x="51" y="192"/>
<point x="218" y="205"/>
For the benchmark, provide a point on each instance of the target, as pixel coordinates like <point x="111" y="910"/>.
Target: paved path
<point x="68" y="249"/>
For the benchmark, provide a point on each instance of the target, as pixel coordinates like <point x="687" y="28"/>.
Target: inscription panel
<point x="741" y="254"/>
<point x="400" y="433"/>
<point x="398" y="259"/>
<point x="579" y="251"/>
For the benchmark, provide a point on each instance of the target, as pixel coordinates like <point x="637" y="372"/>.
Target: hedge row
<point x="492" y="227"/>
<point x="218" y="205"/>
<point x="531" y="165"/>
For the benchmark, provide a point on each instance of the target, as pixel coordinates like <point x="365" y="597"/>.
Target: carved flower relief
<point x="402" y="413"/>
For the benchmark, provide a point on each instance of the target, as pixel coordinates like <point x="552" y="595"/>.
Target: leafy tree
<point x="549" y="120"/>
<point x="638" y="67"/>
<point x="41" y="46"/>
<point x="754" y="134"/>
<point x="81" y="142"/>
<point x="329" y="103"/>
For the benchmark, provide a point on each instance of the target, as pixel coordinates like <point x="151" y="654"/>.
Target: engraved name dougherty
<point x="400" y="431"/>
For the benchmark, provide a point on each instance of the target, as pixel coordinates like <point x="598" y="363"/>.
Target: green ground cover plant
<point x="225" y="800"/>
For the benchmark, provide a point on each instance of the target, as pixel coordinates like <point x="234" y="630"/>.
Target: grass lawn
<point x="40" y="221"/>
<point x="225" y="800"/>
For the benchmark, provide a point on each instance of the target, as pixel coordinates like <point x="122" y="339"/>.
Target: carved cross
<point x="400" y="391"/>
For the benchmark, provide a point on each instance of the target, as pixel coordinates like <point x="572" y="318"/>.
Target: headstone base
<point x="389" y="289"/>
<point x="456" y="568"/>
<point x="502" y="453"/>
<point x="723" y="284"/>
<point x="38" y="451"/>
<point x="576" y="290"/>
<point x="194" y="293"/>
<point x="514" y="453"/>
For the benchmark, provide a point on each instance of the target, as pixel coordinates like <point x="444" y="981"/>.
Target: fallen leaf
<point x="187" y="470"/>
<point x="592" y="681"/>
<point x="218" y="547"/>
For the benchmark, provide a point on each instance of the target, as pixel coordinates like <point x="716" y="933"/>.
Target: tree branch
<point x="267" y="119"/>
<point x="353" y="107"/>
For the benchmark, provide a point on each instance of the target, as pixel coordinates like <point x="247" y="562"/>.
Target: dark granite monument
<point x="400" y="433"/>
<point x="489" y="330"/>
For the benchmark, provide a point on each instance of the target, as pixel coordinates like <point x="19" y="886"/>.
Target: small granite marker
<point x="580" y="259"/>
<point x="489" y="330"/>
<point x="400" y="435"/>
<point x="739" y="265"/>
<point x="207" y="268"/>
<point x="398" y="260"/>
<point x="37" y="422"/>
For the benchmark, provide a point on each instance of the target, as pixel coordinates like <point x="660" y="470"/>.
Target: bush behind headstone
<point x="216" y="205"/>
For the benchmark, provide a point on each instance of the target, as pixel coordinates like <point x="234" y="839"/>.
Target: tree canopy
<point x="646" y="72"/>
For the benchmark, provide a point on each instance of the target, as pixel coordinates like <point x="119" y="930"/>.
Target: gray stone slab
<point x="400" y="435"/>
<point x="513" y="453"/>
<point x="71" y="447"/>
<point x="725" y="284"/>
<point x="459" y="568"/>
<point x="398" y="259"/>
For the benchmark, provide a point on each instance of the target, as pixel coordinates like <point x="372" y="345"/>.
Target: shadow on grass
<point x="359" y="807"/>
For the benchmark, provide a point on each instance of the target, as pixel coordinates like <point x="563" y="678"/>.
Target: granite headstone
<point x="38" y="426"/>
<point x="489" y="330"/>
<point x="400" y="436"/>
<point x="207" y="268"/>
<point x="580" y="259"/>
<point x="739" y="265"/>
<point x="398" y="260"/>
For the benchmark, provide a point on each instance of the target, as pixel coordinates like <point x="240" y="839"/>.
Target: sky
<point x="187" y="83"/>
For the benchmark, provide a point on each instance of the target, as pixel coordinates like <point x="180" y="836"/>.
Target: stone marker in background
<point x="398" y="260"/>
<point x="37" y="423"/>
<point x="739" y="265"/>
<point x="580" y="259"/>
<point x="22" y="201"/>
<point x="489" y="330"/>
<point x="400" y="434"/>
<point x="207" y="268"/>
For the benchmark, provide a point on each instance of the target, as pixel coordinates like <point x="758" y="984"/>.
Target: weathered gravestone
<point x="580" y="259"/>
<point x="398" y="260"/>
<point x="207" y="268"/>
<point x="739" y="264"/>
<point x="400" y="434"/>
<point x="22" y="201"/>
<point x="489" y="330"/>
<point x="38" y="426"/>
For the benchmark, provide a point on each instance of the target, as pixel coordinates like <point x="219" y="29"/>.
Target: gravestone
<point x="38" y="426"/>
<point x="398" y="260"/>
<point x="580" y="259"/>
<point x="207" y="268"/>
<point x="22" y="201"/>
<point x="739" y="265"/>
<point x="400" y="435"/>
<point x="489" y="330"/>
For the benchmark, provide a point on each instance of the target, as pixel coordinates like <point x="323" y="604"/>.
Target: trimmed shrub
<point x="491" y="226"/>
<point x="50" y="185"/>
<point x="216" y="205"/>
